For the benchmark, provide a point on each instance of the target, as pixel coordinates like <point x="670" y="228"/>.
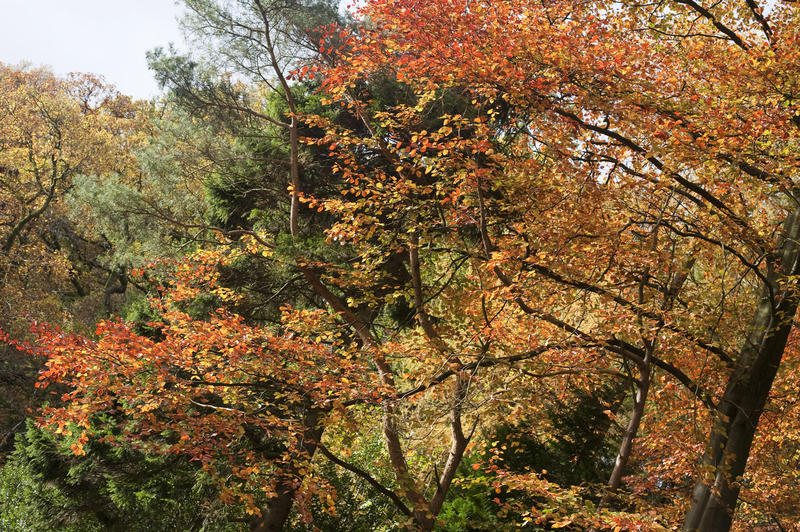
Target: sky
<point x="106" y="37"/>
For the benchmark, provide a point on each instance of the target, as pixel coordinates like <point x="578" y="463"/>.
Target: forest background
<point x="446" y="264"/>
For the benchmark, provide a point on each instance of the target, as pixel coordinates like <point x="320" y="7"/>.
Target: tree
<point x="643" y="126"/>
<point x="52" y="130"/>
<point x="262" y="40"/>
<point x="239" y="400"/>
<point x="45" y="486"/>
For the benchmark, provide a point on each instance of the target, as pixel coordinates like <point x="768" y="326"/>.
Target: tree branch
<point x="366" y="476"/>
<point x="717" y="24"/>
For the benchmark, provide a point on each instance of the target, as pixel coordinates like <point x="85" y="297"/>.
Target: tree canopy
<point x="442" y="265"/>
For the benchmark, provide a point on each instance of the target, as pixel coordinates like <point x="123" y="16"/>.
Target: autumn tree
<point x="258" y="48"/>
<point x="657" y="143"/>
<point x="53" y="130"/>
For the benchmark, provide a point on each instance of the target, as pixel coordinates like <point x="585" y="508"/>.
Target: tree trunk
<point x="626" y="446"/>
<point x="643" y="382"/>
<point x="273" y="517"/>
<point x="714" y="497"/>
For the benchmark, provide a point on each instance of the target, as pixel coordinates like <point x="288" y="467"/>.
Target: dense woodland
<point x="427" y="264"/>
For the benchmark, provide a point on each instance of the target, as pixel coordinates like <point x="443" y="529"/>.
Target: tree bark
<point x="644" y="380"/>
<point x="626" y="446"/>
<point x="274" y="516"/>
<point x="714" y="498"/>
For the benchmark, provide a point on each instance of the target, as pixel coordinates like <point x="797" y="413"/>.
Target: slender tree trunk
<point x="294" y="176"/>
<point x="458" y="441"/>
<point x="714" y="498"/>
<point x="274" y="515"/>
<point x="458" y="444"/>
<point x="626" y="446"/>
<point x="643" y="383"/>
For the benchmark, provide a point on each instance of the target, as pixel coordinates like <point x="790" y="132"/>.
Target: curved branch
<point x="717" y="24"/>
<point x="639" y="311"/>
<point x="366" y="476"/>
<point x="659" y="164"/>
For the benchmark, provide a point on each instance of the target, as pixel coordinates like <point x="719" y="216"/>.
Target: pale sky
<point x="106" y="37"/>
